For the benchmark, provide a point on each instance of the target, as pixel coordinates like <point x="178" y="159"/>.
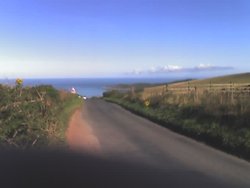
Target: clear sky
<point x="95" y="38"/>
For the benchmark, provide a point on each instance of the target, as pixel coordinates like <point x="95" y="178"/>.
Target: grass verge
<point x="69" y="106"/>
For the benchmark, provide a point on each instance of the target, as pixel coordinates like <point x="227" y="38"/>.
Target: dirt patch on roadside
<point x="80" y="136"/>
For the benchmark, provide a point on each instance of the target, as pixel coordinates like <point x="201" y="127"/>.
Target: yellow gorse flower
<point x="147" y="103"/>
<point x="19" y="81"/>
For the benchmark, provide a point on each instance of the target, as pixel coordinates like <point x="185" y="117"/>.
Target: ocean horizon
<point x="89" y="87"/>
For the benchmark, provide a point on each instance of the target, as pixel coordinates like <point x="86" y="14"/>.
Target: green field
<point x="235" y="78"/>
<point x="238" y="83"/>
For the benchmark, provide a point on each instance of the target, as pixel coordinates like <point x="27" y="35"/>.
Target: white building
<point x="73" y="90"/>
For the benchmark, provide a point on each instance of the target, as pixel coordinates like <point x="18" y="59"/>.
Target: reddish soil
<point x="80" y="136"/>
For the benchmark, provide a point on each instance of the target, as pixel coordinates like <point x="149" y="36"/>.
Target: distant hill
<point x="140" y="86"/>
<point x="235" y="78"/>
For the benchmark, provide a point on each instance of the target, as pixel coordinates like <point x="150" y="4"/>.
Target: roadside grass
<point x="69" y="105"/>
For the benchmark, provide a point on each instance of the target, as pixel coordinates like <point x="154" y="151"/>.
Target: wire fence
<point x="234" y="89"/>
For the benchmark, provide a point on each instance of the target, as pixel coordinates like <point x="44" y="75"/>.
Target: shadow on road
<point x="65" y="169"/>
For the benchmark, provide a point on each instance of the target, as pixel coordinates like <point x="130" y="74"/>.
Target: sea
<point x="89" y="87"/>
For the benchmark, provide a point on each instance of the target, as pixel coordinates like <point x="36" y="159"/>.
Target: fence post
<point x="196" y="94"/>
<point x="166" y="89"/>
<point x="133" y="91"/>
<point x="232" y="93"/>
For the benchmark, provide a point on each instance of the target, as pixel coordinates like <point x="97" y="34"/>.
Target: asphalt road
<point x="186" y="163"/>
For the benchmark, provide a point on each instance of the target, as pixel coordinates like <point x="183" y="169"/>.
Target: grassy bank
<point x="69" y="105"/>
<point x="216" y="126"/>
<point x="34" y="117"/>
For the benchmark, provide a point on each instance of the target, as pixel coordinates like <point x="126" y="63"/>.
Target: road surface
<point x="187" y="163"/>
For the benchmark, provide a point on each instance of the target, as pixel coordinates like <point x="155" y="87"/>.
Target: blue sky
<point x="108" y="38"/>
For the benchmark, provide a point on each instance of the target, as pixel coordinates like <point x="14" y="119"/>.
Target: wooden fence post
<point x="232" y="93"/>
<point x="196" y="94"/>
<point x="133" y="91"/>
<point x="166" y="89"/>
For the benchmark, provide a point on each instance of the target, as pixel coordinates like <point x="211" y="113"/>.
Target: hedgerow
<point x="30" y="116"/>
